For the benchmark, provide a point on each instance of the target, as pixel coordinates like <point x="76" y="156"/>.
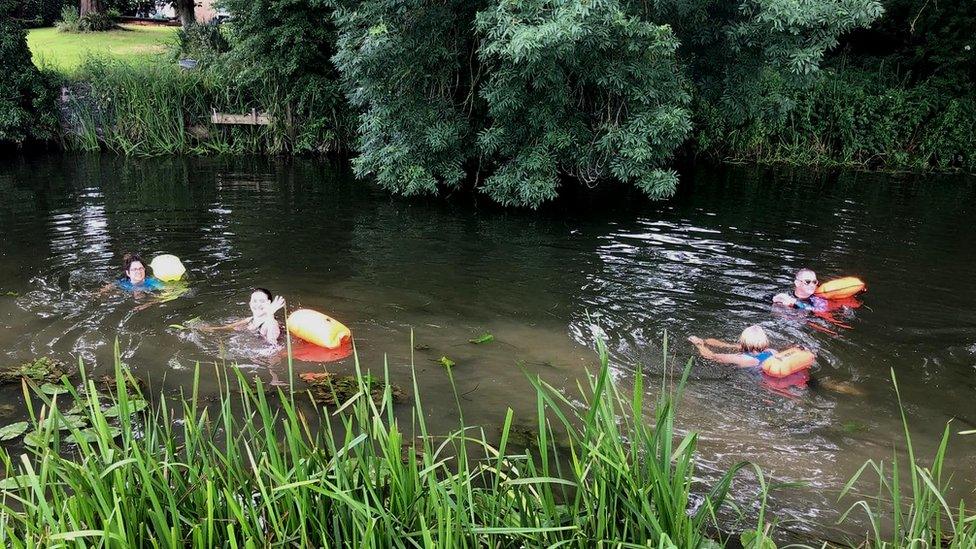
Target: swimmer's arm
<point x="720" y="344"/>
<point x="106" y="289"/>
<point x="784" y="299"/>
<point x="227" y="327"/>
<point x="739" y="360"/>
<point x="271" y="331"/>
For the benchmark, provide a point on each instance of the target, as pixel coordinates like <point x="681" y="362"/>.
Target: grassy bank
<point x="65" y="52"/>
<point x="254" y="468"/>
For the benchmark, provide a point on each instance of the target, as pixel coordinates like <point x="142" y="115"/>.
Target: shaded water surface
<point x="543" y="283"/>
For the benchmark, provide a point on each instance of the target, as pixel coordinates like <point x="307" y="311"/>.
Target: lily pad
<point x="91" y="435"/>
<point x="332" y="390"/>
<point x="14" y="430"/>
<point x="66" y="422"/>
<point x="34" y="438"/>
<point x="135" y="406"/>
<point x="52" y="389"/>
<point x="88" y="435"/>
<point x="43" y="369"/>
<point x="483" y="338"/>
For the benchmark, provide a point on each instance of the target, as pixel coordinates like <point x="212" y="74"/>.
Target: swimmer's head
<point x="134" y="268"/>
<point x="805" y="283"/>
<point x="753" y="340"/>
<point x="260" y="301"/>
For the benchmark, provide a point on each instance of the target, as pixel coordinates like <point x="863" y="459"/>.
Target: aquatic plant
<point x="40" y="369"/>
<point x="918" y="514"/>
<point x="260" y="468"/>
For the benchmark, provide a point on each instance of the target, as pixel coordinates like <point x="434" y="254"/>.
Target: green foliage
<point x="259" y="469"/>
<point x="159" y="109"/>
<point x="283" y="48"/>
<point x="406" y="66"/>
<point x="578" y="88"/>
<point x="27" y="108"/>
<point x="69" y="20"/>
<point x="93" y="21"/>
<point x="203" y="42"/>
<point x="44" y="13"/>
<point x="911" y="508"/>
<point x="852" y="117"/>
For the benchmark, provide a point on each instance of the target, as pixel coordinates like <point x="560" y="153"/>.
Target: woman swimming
<point x="262" y="321"/>
<point x="753" y="347"/>
<point x="135" y="279"/>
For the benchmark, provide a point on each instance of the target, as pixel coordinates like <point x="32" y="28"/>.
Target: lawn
<point x="65" y="51"/>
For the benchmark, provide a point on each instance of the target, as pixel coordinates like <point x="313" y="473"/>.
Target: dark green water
<point x="705" y="262"/>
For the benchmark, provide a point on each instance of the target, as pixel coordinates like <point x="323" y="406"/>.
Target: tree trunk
<point x="88" y="6"/>
<point x="184" y="10"/>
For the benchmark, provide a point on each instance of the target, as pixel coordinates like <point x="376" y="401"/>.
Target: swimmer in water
<point x="135" y="279"/>
<point x="804" y="286"/>
<point x="753" y="348"/>
<point x="262" y="321"/>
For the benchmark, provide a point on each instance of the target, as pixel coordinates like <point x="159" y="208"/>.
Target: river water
<point x="607" y="264"/>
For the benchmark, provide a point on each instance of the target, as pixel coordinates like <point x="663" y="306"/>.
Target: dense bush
<point x="44" y="13"/>
<point x="203" y="42"/>
<point x="27" y="107"/>
<point x="92" y="21"/>
<point x="282" y="49"/>
<point x="853" y="117"/>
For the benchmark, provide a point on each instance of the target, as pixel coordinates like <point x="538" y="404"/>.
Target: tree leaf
<point x="52" y="389"/>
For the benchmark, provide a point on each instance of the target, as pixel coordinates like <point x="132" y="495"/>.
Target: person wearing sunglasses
<point x="804" y="286"/>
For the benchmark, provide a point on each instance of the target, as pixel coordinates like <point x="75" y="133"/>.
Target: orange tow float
<point x="788" y="362"/>
<point x="840" y="288"/>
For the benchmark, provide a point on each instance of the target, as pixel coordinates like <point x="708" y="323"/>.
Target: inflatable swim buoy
<point x="167" y="267"/>
<point x="310" y="352"/>
<point x="840" y="288"/>
<point x="787" y="362"/>
<point x="315" y="327"/>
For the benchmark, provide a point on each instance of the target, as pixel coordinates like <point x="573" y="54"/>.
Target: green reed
<point x="911" y="507"/>
<point x="153" y="109"/>
<point x="257" y="468"/>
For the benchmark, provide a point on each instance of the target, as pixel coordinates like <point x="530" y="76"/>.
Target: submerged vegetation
<point x="259" y="468"/>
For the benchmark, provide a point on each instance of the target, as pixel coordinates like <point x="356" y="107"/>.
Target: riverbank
<point x="330" y="467"/>
<point x="848" y="119"/>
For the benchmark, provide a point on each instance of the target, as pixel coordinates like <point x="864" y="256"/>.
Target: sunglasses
<point x="808" y="281"/>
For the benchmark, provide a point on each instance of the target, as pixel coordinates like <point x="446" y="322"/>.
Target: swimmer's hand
<point x="783" y="299"/>
<point x="277" y="303"/>
<point x="695" y="340"/>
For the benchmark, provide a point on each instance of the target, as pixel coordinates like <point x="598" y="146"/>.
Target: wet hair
<point x="129" y="259"/>
<point x="753" y="340"/>
<point x="804" y="271"/>
<point x="264" y="291"/>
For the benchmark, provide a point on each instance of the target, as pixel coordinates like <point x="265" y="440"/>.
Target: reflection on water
<point x="545" y="284"/>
